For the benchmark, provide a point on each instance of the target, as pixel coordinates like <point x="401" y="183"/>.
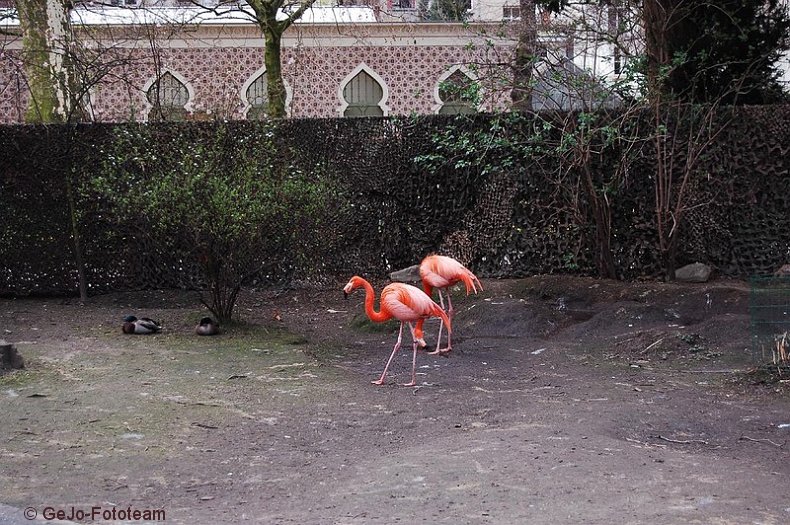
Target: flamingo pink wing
<point x="407" y="303"/>
<point x="439" y="271"/>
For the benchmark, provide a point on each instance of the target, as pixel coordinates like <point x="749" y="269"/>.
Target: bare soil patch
<point x="565" y="400"/>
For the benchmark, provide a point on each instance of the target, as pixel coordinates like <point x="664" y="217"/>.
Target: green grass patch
<point x="361" y="323"/>
<point x="16" y="378"/>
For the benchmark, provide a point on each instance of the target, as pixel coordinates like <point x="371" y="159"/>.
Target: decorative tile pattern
<point x="215" y="75"/>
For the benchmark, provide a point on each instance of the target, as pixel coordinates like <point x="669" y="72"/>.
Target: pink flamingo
<point x="441" y="272"/>
<point x="405" y="303"/>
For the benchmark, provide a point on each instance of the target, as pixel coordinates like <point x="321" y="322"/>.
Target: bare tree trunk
<point x="275" y="87"/>
<point x="602" y="215"/>
<point x="76" y="237"/>
<point x="266" y="12"/>
<point x="47" y="41"/>
<point x="665" y="24"/>
<point x="658" y="17"/>
<point x="655" y="19"/>
<point x="526" y="50"/>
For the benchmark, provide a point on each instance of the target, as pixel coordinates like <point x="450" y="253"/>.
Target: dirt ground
<point x="565" y="400"/>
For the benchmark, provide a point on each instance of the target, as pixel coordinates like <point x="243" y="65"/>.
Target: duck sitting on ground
<point x="207" y="326"/>
<point x="143" y="325"/>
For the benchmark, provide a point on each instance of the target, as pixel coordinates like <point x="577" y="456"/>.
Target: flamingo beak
<point x="345" y="294"/>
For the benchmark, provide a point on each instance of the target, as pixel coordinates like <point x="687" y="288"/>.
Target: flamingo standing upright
<point x="442" y="272"/>
<point x="405" y="303"/>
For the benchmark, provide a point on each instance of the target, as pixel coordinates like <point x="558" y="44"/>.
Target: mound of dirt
<point x="702" y="321"/>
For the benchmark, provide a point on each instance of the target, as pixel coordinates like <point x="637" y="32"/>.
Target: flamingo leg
<point x="441" y="325"/>
<point x="413" y="360"/>
<point x="450" y="317"/>
<point x="380" y="380"/>
<point x="439" y="350"/>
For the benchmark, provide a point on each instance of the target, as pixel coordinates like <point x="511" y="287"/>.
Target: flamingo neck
<point x="373" y="315"/>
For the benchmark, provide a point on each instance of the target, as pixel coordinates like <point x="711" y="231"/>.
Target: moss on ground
<point x="148" y="395"/>
<point x="361" y="323"/>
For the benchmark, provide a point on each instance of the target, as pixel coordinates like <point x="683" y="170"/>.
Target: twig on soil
<point x="644" y="443"/>
<point x="724" y="371"/>
<point x="774" y="443"/>
<point x="652" y="345"/>
<point x="195" y="403"/>
<point x="680" y="441"/>
<point x="203" y="425"/>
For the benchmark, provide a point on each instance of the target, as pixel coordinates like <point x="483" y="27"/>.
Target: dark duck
<point x="143" y="325"/>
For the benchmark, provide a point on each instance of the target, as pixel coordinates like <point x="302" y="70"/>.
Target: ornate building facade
<point x="142" y="64"/>
<point x="170" y="59"/>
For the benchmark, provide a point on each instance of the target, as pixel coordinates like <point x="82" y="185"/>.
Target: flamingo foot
<point x="441" y="351"/>
<point x="377" y="382"/>
<point x="413" y="383"/>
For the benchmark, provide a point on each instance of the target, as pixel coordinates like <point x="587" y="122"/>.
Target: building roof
<point x="563" y="86"/>
<point x="125" y="16"/>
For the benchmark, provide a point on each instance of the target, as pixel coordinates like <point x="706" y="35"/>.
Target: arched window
<point x="459" y="94"/>
<point x="363" y="95"/>
<point x="255" y="96"/>
<point x="258" y="98"/>
<point x="168" y="97"/>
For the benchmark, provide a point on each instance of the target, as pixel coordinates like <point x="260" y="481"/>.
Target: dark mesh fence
<point x="769" y="313"/>
<point x="506" y="211"/>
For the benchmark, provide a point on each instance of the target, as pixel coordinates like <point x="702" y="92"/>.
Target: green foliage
<point x="467" y="92"/>
<point x="448" y="10"/>
<point x="727" y="51"/>
<point x="188" y="187"/>
<point x="569" y="261"/>
<point x="228" y="198"/>
<point x="552" y="5"/>
<point x="503" y="146"/>
<point x="583" y="154"/>
<point x="724" y="52"/>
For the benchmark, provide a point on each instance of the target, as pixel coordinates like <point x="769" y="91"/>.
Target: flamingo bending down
<point x="405" y="303"/>
<point x="441" y="272"/>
